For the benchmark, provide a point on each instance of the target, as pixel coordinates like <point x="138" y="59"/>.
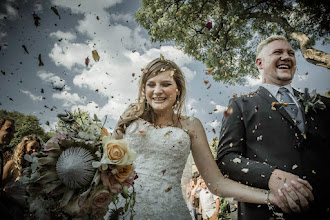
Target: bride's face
<point x="161" y="91"/>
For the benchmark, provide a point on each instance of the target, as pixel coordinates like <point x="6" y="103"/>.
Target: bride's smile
<point x="161" y="91"/>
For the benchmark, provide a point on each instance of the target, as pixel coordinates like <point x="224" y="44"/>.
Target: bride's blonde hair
<point x="141" y="109"/>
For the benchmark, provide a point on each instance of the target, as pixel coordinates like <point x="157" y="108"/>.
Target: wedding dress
<point x="161" y="157"/>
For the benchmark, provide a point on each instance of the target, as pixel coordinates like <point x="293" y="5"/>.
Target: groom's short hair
<point x="268" y="41"/>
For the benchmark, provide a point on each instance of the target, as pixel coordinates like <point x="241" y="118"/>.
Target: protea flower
<point x="74" y="167"/>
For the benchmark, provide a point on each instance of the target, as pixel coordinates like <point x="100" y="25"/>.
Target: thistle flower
<point x="74" y="167"/>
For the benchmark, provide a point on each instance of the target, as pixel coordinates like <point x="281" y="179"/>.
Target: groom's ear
<point x="259" y="63"/>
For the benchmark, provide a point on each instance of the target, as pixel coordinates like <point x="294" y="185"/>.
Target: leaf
<point x="25" y="49"/>
<point x="54" y="9"/>
<point x="28" y="158"/>
<point x="96" y="56"/>
<point x="40" y="61"/>
<point x="36" y="19"/>
<point x="168" y="189"/>
<point x="210" y="71"/>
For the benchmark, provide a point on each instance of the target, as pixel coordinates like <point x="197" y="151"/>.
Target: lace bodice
<point x="161" y="157"/>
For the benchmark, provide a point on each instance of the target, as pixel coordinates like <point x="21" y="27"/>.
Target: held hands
<point x="289" y="192"/>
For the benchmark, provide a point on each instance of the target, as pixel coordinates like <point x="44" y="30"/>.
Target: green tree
<point x="25" y="125"/>
<point x="224" y="34"/>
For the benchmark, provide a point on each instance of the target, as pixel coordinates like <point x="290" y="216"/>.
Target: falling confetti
<point x="25" y="49"/>
<point x="36" y="19"/>
<point x="40" y="61"/>
<point x="209" y="25"/>
<point x="168" y="189"/>
<point x="294" y="166"/>
<point x="237" y="160"/>
<point x="245" y="170"/>
<point x="228" y="112"/>
<point x="210" y="71"/>
<point x="96" y="56"/>
<point x="86" y="61"/>
<point x="55" y="11"/>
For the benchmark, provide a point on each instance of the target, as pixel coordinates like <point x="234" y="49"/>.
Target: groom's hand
<point x="291" y="190"/>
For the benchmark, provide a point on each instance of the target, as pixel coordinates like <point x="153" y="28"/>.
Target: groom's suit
<point x="255" y="139"/>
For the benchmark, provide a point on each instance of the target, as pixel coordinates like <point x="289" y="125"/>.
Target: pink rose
<point x="111" y="183"/>
<point x="100" y="198"/>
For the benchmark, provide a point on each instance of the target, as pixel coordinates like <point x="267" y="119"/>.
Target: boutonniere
<point x="311" y="101"/>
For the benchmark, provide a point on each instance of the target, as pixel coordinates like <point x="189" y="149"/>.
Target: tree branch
<point x="310" y="54"/>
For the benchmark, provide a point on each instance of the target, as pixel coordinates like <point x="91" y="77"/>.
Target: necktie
<point x="292" y="108"/>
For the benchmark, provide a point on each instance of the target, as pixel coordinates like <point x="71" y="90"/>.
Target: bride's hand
<point x="282" y="202"/>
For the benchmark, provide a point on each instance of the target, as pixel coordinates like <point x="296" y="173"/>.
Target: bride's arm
<point x="216" y="182"/>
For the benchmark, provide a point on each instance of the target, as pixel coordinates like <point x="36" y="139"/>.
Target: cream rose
<point x="118" y="152"/>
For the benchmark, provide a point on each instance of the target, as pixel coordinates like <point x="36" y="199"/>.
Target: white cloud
<point x="113" y="109"/>
<point x="63" y="35"/>
<point x="189" y="74"/>
<point x="83" y="6"/>
<point x="68" y="54"/>
<point x="219" y="108"/>
<point x="37" y="7"/>
<point x="10" y="14"/>
<point x="32" y="96"/>
<point x="56" y="81"/>
<point x="112" y="75"/>
<point x="191" y="111"/>
<point x="68" y="98"/>
<point x="213" y="124"/>
<point x="253" y="81"/>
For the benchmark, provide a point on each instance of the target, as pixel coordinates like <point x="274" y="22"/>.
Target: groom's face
<point x="277" y="63"/>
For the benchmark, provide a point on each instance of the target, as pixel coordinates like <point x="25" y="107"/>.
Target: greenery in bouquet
<point x="79" y="172"/>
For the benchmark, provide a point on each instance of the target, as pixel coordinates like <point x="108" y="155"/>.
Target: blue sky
<point x="107" y="86"/>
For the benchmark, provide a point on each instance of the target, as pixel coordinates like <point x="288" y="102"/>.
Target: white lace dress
<point x="161" y="157"/>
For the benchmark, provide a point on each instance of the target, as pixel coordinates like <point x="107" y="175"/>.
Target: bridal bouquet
<point x="79" y="172"/>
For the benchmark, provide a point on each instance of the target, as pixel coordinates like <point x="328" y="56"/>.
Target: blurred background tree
<point x="224" y="34"/>
<point x="25" y="125"/>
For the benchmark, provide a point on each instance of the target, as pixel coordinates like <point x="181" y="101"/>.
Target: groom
<point x="268" y="141"/>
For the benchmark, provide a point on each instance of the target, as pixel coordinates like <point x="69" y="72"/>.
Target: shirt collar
<point x="273" y="89"/>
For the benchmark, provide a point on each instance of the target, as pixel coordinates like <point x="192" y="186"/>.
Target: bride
<point x="163" y="138"/>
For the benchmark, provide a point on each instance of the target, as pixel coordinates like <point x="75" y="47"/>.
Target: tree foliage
<point x="224" y="34"/>
<point x="25" y="125"/>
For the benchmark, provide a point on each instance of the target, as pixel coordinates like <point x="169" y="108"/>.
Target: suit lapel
<point x="265" y="94"/>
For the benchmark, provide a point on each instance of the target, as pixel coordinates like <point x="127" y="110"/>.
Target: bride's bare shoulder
<point x="190" y="123"/>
